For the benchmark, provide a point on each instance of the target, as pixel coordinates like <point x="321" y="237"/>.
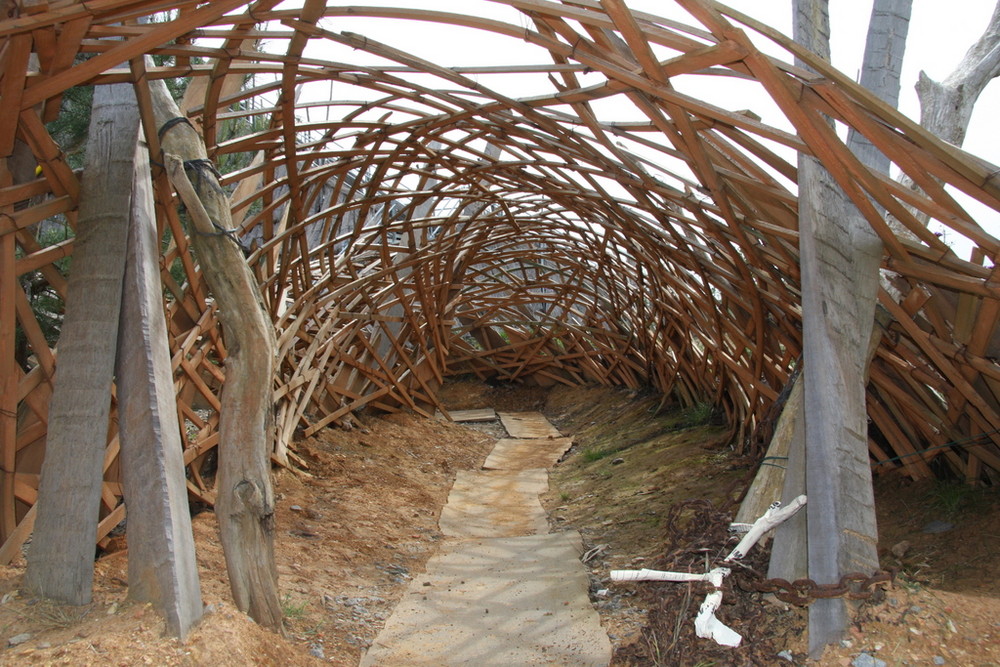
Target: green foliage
<point x="699" y="414"/>
<point x="70" y="128"/>
<point x="595" y="454"/>
<point x="293" y="610"/>
<point x="239" y="125"/>
<point x="953" y="496"/>
<point x="46" y="304"/>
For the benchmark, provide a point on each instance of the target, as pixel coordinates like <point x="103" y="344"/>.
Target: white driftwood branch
<point x="774" y="515"/>
<point x="660" y="575"/>
<point x="706" y="625"/>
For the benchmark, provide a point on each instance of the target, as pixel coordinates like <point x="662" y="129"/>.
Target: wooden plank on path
<point x="526" y="453"/>
<point x="528" y="425"/>
<point x="471" y="416"/>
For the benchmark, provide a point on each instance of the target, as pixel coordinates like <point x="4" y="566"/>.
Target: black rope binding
<point x="176" y="120"/>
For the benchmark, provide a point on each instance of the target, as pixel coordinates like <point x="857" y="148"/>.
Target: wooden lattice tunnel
<point x="406" y="220"/>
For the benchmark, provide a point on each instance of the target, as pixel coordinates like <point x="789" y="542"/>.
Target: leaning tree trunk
<point x="61" y="557"/>
<point x="245" y="498"/>
<point x="840" y="257"/>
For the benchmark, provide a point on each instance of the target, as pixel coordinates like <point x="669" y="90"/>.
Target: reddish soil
<point x="362" y="519"/>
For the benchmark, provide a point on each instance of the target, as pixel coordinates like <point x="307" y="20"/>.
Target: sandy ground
<point x="360" y="523"/>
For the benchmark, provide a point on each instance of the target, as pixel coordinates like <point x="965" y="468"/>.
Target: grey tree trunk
<point x="946" y="107"/>
<point x="881" y="69"/>
<point x="61" y="558"/>
<point x="840" y="257"/>
<point x="245" y="497"/>
<point x="161" y="561"/>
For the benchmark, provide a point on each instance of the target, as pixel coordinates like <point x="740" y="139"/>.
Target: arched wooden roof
<point x="557" y="210"/>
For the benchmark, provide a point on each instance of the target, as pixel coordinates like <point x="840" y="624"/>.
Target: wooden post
<point x="161" y="562"/>
<point x="839" y="257"/>
<point x="245" y="502"/>
<point x="61" y="559"/>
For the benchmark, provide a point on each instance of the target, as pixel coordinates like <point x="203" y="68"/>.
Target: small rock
<point x="916" y="632"/>
<point x="914" y="609"/>
<point x="846" y="643"/>
<point x="43" y="645"/>
<point x="618" y="461"/>
<point x="937" y="526"/>
<point x="602" y="593"/>
<point x="316" y="651"/>
<point x="786" y="655"/>
<point x="893" y="602"/>
<point x="18" y="639"/>
<point x="866" y="660"/>
<point x="900" y="548"/>
<point x="295" y="508"/>
<point x="938" y="660"/>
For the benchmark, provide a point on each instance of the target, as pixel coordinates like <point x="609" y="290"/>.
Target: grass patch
<point x="293" y="610"/>
<point x="51" y="616"/>
<point x="953" y="497"/>
<point x="596" y="454"/>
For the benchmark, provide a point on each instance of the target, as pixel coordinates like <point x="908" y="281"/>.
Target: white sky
<point x="940" y="33"/>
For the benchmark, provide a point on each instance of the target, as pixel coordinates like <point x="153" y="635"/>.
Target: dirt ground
<point x="362" y="520"/>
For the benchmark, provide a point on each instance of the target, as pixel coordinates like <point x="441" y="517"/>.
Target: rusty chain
<point x="802" y="592"/>
<point x="696" y="535"/>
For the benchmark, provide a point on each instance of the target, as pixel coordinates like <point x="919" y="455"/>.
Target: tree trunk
<point x="245" y="500"/>
<point x="946" y="107"/>
<point x="840" y="257"/>
<point x="881" y="69"/>
<point x="61" y="558"/>
<point x="161" y="559"/>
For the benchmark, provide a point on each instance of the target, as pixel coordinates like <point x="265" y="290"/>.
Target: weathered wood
<point x="840" y="257"/>
<point x="245" y="496"/>
<point x="161" y="559"/>
<point x="61" y="559"/>
<point x="769" y="482"/>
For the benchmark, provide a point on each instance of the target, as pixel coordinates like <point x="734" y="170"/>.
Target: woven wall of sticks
<point x="524" y="194"/>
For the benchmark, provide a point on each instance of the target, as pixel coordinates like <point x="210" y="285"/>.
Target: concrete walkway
<point x="501" y="590"/>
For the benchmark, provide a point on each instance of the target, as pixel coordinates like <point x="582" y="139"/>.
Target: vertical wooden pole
<point x="839" y="259"/>
<point x="61" y="559"/>
<point x="161" y="561"/>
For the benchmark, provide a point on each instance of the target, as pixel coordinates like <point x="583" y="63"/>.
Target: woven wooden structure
<point x="556" y="210"/>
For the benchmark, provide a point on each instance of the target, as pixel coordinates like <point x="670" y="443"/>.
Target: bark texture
<point x="881" y="69"/>
<point x="245" y="500"/>
<point x="161" y="561"/>
<point x="61" y="558"/>
<point x="946" y="106"/>
<point x="840" y="257"/>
